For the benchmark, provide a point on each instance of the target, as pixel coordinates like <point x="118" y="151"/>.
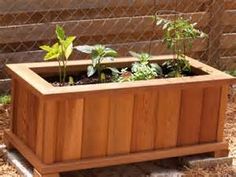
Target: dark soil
<point x="82" y="78"/>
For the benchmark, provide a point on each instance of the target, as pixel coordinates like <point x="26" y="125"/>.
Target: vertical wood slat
<point x="21" y="129"/>
<point x="95" y="127"/>
<point x="14" y="107"/>
<point x="33" y="104"/>
<point x="69" y="130"/>
<point x="50" y="131"/>
<point x="144" y="120"/>
<point x="40" y="129"/>
<point x="120" y="124"/>
<point x="168" y="118"/>
<point x="210" y="114"/>
<point x="191" y="110"/>
<point x="222" y="112"/>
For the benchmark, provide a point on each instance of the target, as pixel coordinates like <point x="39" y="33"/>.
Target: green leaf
<point x="68" y="51"/>
<point x="46" y="48"/>
<point x="54" y="52"/>
<point x="51" y="56"/>
<point x="95" y="61"/>
<point x="60" y="33"/>
<point x="157" y="68"/>
<point x="110" y="53"/>
<point x="69" y="40"/>
<point x="114" y="70"/>
<point x="71" y="81"/>
<point x="85" y="49"/>
<point x="91" y="71"/>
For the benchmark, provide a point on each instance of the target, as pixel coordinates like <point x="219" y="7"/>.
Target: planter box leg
<point x="9" y="146"/>
<point x="37" y="174"/>
<point x="222" y="153"/>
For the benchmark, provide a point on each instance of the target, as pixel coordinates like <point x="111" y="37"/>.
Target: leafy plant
<point x="231" y="72"/>
<point x="141" y="70"/>
<point x="98" y="54"/>
<point x="179" y="35"/>
<point x="144" y="70"/>
<point x="60" y="51"/>
<point x="5" y="99"/>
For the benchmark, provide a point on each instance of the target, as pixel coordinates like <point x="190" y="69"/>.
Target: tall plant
<point x="179" y="35"/>
<point x="98" y="53"/>
<point x="60" y="51"/>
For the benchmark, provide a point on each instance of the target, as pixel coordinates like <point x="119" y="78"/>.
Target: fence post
<point x="216" y="12"/>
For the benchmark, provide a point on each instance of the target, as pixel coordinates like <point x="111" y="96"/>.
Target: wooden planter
<point x="79" y="127"/>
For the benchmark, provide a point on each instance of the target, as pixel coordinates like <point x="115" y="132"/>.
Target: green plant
<point x="179" y="35"/>
<point x="231" y="72"/>
<point x="144" y="70"/>
<point x="98" y="54"/>
<point x="60" y="51"/>
<point x="5" y="99"/>
<point x="141" y="70"/>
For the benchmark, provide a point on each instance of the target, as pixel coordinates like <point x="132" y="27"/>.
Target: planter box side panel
<point x="25" y="114"/>
<point x="118" y="123"/>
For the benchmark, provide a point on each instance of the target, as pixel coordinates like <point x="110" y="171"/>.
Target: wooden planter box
<point x="79" y="127"/>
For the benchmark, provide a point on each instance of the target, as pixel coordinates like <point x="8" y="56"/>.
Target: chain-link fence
<point x="124" y="25"/>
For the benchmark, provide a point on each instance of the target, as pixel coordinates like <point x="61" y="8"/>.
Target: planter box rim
<point x="25" y="71"/>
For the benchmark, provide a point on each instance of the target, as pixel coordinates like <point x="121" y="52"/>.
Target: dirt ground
<point x="7" y="170"/>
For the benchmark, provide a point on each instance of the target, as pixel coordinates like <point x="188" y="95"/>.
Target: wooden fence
<point x="124" y="25"/>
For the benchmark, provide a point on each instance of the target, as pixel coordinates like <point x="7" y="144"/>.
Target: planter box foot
<point x="37" y="174"/>
<point x="221" y="153"/>
<point x="7" y="143"/>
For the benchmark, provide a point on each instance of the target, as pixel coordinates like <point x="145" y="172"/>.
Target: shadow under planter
<point x="59" y="129"/>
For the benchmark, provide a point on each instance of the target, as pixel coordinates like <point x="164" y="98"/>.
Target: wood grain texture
<point x="37" y="174"/>
<point x="50" y="131"/>
<point x="120" y="124"/>
<point x="169" y="102"/>
<point x="210" y="114"/>
<point x="69" y="130"/>
<point x="222" y="112"/>
<point x="95" y="127"/>
<point x="190" y="118"/>
<point x="144" y="121"/>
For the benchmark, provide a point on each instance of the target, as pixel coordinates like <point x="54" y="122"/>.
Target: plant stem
<point x="60" y="71"/>
<point x="64" y="71"/>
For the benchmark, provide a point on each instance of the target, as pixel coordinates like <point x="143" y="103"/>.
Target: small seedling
<point x="141" y="70"/>
<point x="60" y="51"/>
<point x="179" y="35"/>
<point x="5" y="99"/>
<point x="98" y="53"/>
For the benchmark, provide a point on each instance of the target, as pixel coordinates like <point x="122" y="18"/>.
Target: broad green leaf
<point x="95" y="61"/>
<point x="68" y="51"/>
<point x="51" y="56"/>
<point x="114" y="70"/>
<point x="60" y="33"/>
<point x="46" y="48"/>
<point x="54" y="52"/>
<point x="110" y="53"/>
<point x="69" y="40"/>
<point x="91" y="71"/>
<point x="157" y="68"/>
<point x="85" y="49"/>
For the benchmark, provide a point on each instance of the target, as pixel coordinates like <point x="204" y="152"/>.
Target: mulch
<point x="6" y="170"/>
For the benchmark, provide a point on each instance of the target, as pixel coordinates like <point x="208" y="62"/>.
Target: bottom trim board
<point x="110" y="161"/>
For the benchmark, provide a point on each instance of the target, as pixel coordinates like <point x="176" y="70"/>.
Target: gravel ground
<point x="222" y="170"/>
